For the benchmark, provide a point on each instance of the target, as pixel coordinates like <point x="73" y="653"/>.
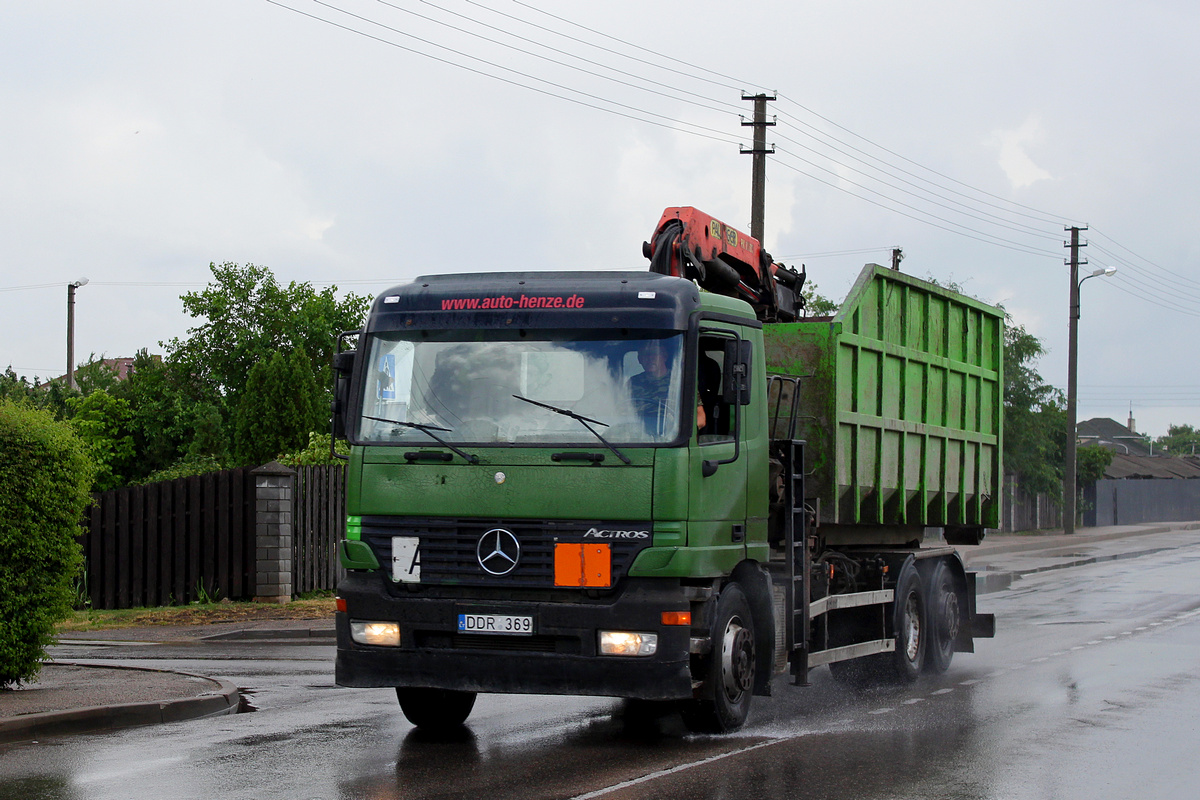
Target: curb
<point x="273" y="634"/>
<point x="222" y="699"/>
<point x="1062" y="540"/>
<point x="988" y="581"/>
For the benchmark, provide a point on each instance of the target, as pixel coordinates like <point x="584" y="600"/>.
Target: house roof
<point x="1135" y="467"/>
<point x="1112" y="435"/>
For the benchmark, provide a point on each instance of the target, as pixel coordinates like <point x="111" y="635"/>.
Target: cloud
<point x="1014" y="160"/>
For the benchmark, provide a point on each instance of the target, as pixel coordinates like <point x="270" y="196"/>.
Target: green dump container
<point x="901" y="404"/>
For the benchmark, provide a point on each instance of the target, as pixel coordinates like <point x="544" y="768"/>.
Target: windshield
<point x="627" y="387"/>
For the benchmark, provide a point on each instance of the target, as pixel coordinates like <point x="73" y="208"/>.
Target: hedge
<point x="45" y="477"/>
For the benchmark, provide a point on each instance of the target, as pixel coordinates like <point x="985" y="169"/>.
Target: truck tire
<point x="724" y="702"/>
<point x="945" y="618"/>
<point x="910" y="623"/>
<point x="435" y="709"/>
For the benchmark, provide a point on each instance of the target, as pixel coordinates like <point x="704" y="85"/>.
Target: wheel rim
<point x="912" y="626"/>
<point x="950" y="619"/>
<point x="737" y="659"/>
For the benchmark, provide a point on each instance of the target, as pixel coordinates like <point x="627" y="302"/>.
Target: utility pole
<point x="71" y="287"/>
<point x="1069" y="491"/>
<point x="758" y="188"/>
<point x="897" y="257"/>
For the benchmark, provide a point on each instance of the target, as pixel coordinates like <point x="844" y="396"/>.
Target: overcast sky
<point x="140" y="141"/>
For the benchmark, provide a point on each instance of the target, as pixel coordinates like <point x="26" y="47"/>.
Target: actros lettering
<point x="595" y="533"/>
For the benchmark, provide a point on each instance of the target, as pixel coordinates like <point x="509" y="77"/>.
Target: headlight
<point x="379" y="633"/>
<point x="626" y="643"/>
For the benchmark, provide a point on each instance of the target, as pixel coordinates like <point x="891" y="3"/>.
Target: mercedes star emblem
<point x="498" y="551"/>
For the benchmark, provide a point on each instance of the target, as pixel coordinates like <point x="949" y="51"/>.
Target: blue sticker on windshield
<point x="386" y="380"/>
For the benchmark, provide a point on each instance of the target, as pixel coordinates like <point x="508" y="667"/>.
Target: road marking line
<point x="970" y="682"/>
<point x="882" y="711"/>
<point x="679" y="768"/>
<point x="942" y="691"/>
<point x="912" y="701"/>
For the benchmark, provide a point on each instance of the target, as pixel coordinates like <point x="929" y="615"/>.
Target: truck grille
<point x="448" y="549"/>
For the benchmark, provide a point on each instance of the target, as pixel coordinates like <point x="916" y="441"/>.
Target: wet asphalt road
<point x="1090" y="690"/>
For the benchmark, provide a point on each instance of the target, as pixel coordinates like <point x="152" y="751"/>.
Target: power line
<point x="671" y="125"/>
<point x="999" y="220"/>
<point x="920" y="215"/>
<point x="1042" y="216"/>
<point x="741" y="85"/>
<point x="1115" y="243"/>
<point x="972" y="205"/>
<point x="33" y="286"/>
<point x="995" y="220"/>
<point x="705" y="105"/>
<point x="832" y="253"/>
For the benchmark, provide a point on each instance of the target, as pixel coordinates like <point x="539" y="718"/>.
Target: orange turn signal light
<point x="340" y="604"/>
<point x="676" y="618"/>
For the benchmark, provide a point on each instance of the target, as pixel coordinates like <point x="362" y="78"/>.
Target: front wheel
<point x="728" y="685"/>
<point x="435" y="709"/>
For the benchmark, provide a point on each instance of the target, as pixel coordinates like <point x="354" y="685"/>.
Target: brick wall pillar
<point x="274" y="491"/>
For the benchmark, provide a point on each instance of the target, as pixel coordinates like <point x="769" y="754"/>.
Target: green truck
<point x="664" y="485"/>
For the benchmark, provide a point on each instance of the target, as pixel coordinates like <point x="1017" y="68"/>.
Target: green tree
<point x="102" y="422"/>
<point x="246" y="315"/>
<point x="280" y="406"/>
<point x="158" y="420"/>
<point x="1090" y="463"/>
<point x="1035" y="419"/>
<point x="816" y="305"/>
<point x="45" y="475"/>
<point x="1181" y="440"/>
<point x="316" y="453"/>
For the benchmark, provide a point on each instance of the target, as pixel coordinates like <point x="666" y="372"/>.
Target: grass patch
<point x="197" y="614"/>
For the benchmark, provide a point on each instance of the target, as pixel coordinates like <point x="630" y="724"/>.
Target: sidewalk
<point x="70" y="697"/>
<point x="1003" y="558"/>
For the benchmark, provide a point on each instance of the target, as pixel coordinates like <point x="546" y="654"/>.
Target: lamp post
<point x="1069" y="490"/>
<point x="71" y="287"/>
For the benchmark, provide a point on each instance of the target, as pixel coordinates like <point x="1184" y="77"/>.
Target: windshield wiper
<point x="429" y="431"/>
<point x="582" y="420"/>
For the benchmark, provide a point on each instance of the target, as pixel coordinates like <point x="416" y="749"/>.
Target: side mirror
<point x="343" y="368"/>
<point x="735" y="381"/>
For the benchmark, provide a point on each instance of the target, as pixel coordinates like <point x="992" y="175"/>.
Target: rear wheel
<point x="904" y="664"/>
<point x="729" y="676"/>
<point x="435" y="709"/>
<point x="909" y="620"/>
<point x="945" y="618"/>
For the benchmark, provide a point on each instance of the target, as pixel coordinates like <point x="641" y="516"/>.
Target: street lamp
<point x="1069" y="490"/>
<point x="71" y="287"/>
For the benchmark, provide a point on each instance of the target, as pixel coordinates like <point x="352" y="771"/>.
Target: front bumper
<point x="560" y="658"/>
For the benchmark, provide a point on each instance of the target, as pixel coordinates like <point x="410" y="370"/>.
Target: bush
<point x="316" y="454"/>
<point x="45" y="475"/>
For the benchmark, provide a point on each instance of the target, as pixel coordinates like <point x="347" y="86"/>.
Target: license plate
<point x="495" y="623"/>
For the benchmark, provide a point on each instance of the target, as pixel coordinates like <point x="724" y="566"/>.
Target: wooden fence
<point x="195" y="538"/>
<point x="1027" y="511"/>
<point x="171" y="542"/>
<point x="318" y="523"/>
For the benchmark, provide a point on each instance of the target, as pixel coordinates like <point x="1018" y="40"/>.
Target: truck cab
<point x="554" y="467"/>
